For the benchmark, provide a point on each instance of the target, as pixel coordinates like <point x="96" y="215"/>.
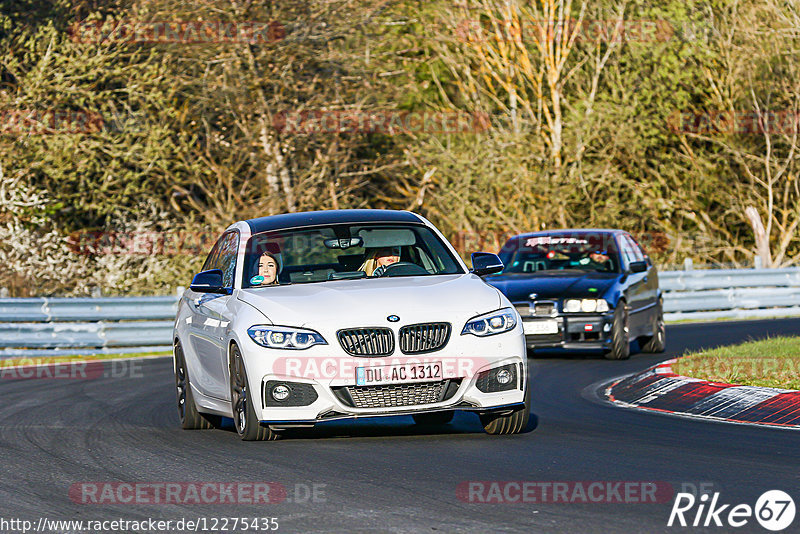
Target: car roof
<point x="319" y="218"/>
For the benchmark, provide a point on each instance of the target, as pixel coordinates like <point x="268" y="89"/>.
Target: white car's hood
<point x="368" y="302"/>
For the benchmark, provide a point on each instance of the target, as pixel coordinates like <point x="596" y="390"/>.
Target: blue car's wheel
<point x="658" y="341"/>
<point x="620" y="335"/>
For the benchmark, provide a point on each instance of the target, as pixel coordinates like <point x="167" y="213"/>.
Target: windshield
<point x="345" y="251"/>
<point x="555" y="252"/>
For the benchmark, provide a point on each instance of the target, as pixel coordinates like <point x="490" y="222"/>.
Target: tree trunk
<point x="762" y="239"/>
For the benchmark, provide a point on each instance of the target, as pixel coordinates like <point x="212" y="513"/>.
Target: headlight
<point x="585" y="305"/>
<point x="488" y="324"/>
<point x="285" y="337"/>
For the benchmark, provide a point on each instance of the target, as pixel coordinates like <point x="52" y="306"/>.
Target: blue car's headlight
<point x="586" y="305"/>
<point x="285" y="337"/>
<point x="491" y="323"/>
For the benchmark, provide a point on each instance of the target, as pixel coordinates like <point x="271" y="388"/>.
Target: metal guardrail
<point x="55" y="326"/>
<point x="66" y="326"/>
<point x="728" y="278"/>
<point x="730" y="293"/>
<point x="87" y="309"/>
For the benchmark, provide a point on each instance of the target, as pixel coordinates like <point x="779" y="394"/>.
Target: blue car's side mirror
<point x="638" y="266"/>
<point x="484" y="263"/>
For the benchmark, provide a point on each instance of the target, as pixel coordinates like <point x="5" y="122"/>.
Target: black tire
<point x="658" y="341"/>
<point x="190" y="418"/>
<point x="434" y="418"/>
<point x="513" y="423"/>
<point x="620" y="335"/>
<point x="244" y="415"/>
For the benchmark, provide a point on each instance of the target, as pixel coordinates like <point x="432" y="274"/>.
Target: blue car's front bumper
<point x="575" y="331"/>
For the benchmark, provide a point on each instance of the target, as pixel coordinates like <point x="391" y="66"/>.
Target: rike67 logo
<point x="774" y="510"/>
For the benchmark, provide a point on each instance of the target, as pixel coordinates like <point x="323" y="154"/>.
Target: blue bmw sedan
<point x="583" y="289"/>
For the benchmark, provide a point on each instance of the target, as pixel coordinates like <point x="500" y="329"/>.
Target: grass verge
<point x="773" y="362"/>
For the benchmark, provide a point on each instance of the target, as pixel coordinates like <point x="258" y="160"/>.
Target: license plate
<point x="392" y="374"/>
<point x="549" y="326"/>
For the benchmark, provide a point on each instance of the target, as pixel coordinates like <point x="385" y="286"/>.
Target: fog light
<point x="498" y="379"/>
<point x="503" y="376"/>
<point x="280" y="392"/>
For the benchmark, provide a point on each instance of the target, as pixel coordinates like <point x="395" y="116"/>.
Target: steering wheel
<point x="402" y="268"/>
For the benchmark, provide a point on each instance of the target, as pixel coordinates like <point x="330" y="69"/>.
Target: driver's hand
<point x="379" y="271"/>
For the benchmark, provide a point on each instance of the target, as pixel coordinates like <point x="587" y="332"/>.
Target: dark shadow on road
<point x="463" y="423"/>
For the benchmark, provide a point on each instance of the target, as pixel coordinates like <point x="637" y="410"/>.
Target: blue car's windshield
<point x="555" y="252"/>
<point x="345" y="251"/>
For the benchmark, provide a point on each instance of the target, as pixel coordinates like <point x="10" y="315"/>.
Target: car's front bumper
<point x="280" y="424"/>
<point x="327" y="374"/>
<point x="585" y="331"/>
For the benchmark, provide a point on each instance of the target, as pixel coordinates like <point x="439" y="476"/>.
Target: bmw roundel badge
<point x="393" y="318"/>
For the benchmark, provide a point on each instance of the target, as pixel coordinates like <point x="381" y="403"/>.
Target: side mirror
<point x="484" y="263"/>
<point x="208" y="282"/>
<point x="638" y="266"/>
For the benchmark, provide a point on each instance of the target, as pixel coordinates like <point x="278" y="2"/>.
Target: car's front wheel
<point x="244" y="415"/>
<point x="512" y="423"/>
<point x="190" y="418"/>
<point x="620" y="335"/>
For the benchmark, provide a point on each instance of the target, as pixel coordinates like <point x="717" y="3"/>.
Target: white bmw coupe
<point x="307" y="317"/>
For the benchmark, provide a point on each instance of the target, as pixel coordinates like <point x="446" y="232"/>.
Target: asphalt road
<point x="387" y="475"/>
